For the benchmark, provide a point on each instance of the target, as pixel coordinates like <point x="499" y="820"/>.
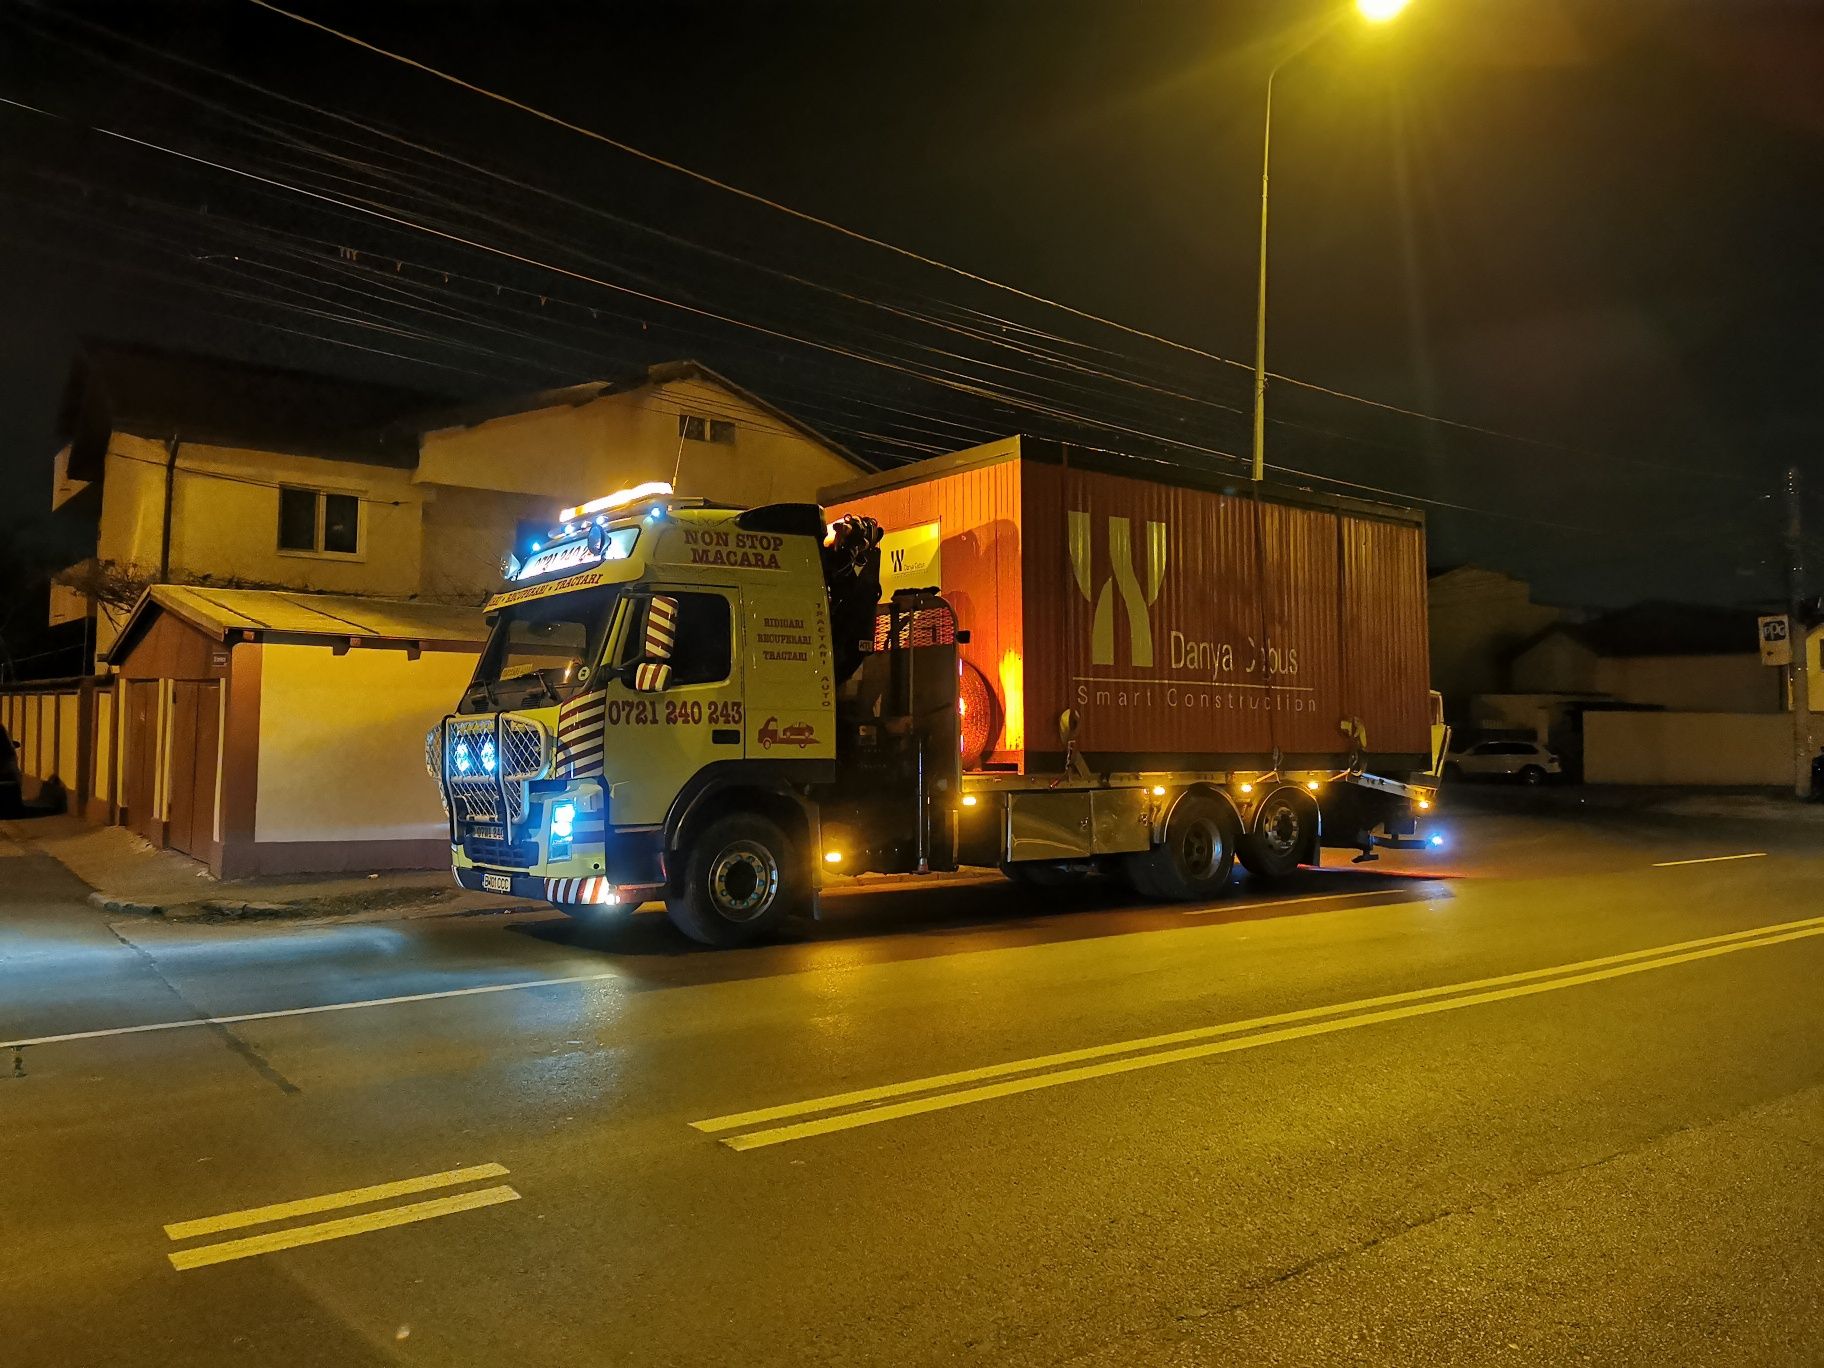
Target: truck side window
<point x="704" y="650"/>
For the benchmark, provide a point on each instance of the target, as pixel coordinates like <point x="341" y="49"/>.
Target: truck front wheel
<point x="1195" y="862"/>
<point x="742" y="878"/>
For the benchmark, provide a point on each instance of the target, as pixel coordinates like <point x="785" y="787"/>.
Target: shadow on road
<point x="914" y="921"/>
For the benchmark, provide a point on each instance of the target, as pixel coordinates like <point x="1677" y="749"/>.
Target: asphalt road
<point x="1566" y="1106"/>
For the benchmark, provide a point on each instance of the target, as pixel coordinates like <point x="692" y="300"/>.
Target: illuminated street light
<point x="1375" y="12"/>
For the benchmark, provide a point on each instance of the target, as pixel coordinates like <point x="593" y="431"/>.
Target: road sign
<point x="1776" y="643"/>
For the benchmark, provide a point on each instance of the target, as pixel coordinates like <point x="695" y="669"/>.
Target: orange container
<point x="1190" y="622"/>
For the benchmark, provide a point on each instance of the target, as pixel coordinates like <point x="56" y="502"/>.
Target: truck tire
<point x="742" y="877"/>
<point x="1282" y="833"/>
<point x="1196" y="860"/>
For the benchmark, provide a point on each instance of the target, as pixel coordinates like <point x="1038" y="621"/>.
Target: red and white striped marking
<point x="594" y="891"/>
<point x="661" y="627"/>
<point x="579" y="736"/>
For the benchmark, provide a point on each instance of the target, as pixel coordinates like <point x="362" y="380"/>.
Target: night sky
<point x="1591" y="226"/>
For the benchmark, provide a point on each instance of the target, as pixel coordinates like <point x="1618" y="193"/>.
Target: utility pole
<point x="1798" y="638"/>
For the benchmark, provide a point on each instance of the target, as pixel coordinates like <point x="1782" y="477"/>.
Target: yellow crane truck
<point x="719" y="706"/>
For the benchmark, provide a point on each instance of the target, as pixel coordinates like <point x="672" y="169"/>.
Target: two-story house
<point x="288" y="570"/>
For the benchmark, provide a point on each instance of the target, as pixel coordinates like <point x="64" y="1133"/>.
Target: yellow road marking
<point x="1711" y="859"/>
<point x="1504" y="986"/>
<point x="309" y="1206"/>
<point x="337" y="1229"/>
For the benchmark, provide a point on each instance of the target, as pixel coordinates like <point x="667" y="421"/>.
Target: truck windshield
<point x="541" y="652"/>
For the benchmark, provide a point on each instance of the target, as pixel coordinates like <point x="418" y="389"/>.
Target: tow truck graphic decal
<point x="799" y="734"/>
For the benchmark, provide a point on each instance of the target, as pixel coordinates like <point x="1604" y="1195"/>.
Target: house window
<point x="694" y="427"/>
<point x="315" y="522"/>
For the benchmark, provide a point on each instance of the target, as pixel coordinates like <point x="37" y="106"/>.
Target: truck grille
<point x="487" y="762"/>
<point x="488" y="850"/>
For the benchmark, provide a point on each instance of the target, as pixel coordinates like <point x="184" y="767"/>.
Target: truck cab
<point x="654" y="707"/>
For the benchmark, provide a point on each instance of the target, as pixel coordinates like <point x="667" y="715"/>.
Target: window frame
<point x="624" y="647"/>
<point x="710" y="429"/>
<point x="320" y="496"/>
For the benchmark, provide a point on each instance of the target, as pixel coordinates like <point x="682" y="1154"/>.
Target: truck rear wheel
<point x="743" y="876"/>
<point x="1195" y="862"/>
<point x="1282" y="834"/>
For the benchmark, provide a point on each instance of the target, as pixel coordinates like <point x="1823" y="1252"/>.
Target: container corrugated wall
<point x="1197" y="629"/>
<point x="1386" y="643"/>
<point x="1186" y="628"/>
<point x="979" y="511"/>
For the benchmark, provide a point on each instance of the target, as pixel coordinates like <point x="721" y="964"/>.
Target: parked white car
<point x="1527" y="761"/>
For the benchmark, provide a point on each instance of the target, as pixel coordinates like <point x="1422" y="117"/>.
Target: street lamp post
<point x="1375" y="12"/>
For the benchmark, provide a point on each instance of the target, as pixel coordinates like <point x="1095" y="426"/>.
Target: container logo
<point x="1125" y="580"/>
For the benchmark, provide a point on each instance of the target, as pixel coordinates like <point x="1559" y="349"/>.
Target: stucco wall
<point x="225" y="518"/>
<point x="341" y="753"/>
<point x="1687" y="748"/>
<point x="466" y="532"/>
<point x="1557" y="664"/>
<point x="1476" y="618"/>
<point x="571" y="453"/>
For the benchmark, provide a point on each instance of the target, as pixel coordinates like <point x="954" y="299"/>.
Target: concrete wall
<point x="1687" y="748"/>
<point x="1706" y="683"/>
<point x="571" y="453"/>
<point x="341" y="745"/>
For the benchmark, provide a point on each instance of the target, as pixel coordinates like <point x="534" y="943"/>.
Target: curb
<point x="205" y="911"/>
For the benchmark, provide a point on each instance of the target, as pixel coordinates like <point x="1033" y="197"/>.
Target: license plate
<point x="488" y="833"/>
<point x="497" y="883"/>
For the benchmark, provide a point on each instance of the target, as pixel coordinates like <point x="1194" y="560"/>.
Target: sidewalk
<point x="128" y="875"/>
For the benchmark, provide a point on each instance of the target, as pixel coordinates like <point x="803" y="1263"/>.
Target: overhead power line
<point x="910" y="254"/>
<point x="728" y="187"/>
<point x="289" y="136"/>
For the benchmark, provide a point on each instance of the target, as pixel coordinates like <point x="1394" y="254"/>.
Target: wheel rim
<point x="1280" y="827"/>
<point x="743" y="881"/>
<point x="1200" y="849"/>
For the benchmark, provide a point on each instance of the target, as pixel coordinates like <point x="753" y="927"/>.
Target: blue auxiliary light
<point x="1437" y="840"/>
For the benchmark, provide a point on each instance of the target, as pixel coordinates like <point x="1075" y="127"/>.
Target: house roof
<point x="226" y="613"/>
<point x="1658" y="628"/>
<point x="149" y="392"/>
<point x="664" y="373"/>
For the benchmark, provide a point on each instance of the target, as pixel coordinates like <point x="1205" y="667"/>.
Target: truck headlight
<point x="563" y="827"/>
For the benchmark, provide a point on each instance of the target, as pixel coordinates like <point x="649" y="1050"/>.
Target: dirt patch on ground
<point x="332" y="905"/>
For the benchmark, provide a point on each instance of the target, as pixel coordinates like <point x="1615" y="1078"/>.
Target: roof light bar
<point x="652" y="489"/>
